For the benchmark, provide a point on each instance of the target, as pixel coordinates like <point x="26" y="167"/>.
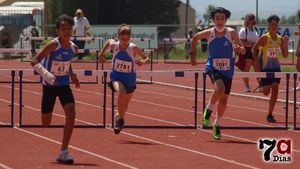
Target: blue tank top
<point x="220" y="54"/>
<point x="123" y="68"/>
<point x="58" y="63"/>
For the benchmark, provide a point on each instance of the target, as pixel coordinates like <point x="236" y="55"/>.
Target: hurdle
<point x="27" y="72"/>
<point x="295" y="108"/>
<point x="12" y="101"/>
<point x="282" y="75"/>
<point x="30" y="38"/>
<point x="176" y="74"/>
<point x="150" y="53"/>
<point x="20" y="50"/>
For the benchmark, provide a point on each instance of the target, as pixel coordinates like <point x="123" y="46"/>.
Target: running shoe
<point x="64" y="158"/>
<point x="205" y="118"/>
<point x="118" y="125"/>
<point x="271" y="119"/>
<point x="216" y="132"/>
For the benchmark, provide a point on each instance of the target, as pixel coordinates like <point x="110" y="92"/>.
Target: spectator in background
<point x="248" y="35"/>
<point x="188" y="42"/>
<point x="81" y="29"/>
<point x="5" y="42"/>
<point x="35" y="33"/>
<point x="200" y="28"/>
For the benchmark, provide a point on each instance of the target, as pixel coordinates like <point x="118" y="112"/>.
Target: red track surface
<point x="141" y="148"/>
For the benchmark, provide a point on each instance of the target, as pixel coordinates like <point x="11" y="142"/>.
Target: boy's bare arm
<point x="137" y="51"/>
<point x="45" y="52"/>
<point x="255" y="49"/>
<point x="108" y="44"/>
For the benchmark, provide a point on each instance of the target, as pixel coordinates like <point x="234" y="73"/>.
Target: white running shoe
<point x="64" y="158"/>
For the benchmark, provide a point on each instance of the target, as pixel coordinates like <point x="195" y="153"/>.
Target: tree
<point x="283" y="20"/>
<point x="118" y="11"/>
<point x="206" y="15"/>
<point x="292" y="19"/>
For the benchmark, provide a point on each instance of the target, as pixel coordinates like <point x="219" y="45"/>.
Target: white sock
<point x="218" y="120"/>
<point x="210" y="106"/>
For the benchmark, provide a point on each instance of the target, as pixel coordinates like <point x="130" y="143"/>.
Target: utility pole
<point x="186" y="16"/>
<point x="257" y="12"/>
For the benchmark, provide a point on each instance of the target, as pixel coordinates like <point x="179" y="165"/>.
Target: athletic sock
<point x="218" y="120"/>
<point x="210" y="106"/>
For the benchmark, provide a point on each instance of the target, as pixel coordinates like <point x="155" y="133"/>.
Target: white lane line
<point x="79" y="149"/>
<point x="165" y="120"/>
<point x="155" y="141"/>
<point x="229" y="118"/>
<point x="191" y="150"/>
<point x="74" y="147"/>
<point x="181" y="109"/>
<point x="210" y="90"/>
<point x="4" y="166"/>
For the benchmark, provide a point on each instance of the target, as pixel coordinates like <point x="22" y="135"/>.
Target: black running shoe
<point x="118" y="125"/>
<point x="271" y="119"/>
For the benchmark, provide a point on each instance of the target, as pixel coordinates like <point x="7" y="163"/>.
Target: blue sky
<point x="240" y="7"/>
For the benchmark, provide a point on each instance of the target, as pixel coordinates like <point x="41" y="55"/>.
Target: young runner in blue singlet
<point x="123" y="75"/>
<point x="222" y="43"/>
<point x="56" y="59"/>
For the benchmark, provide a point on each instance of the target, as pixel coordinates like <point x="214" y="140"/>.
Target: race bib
<point x="59" y="68"/>
<point x="273" y="52"/>
<point x="221" y="64"/>
<point x="123" y="66"/>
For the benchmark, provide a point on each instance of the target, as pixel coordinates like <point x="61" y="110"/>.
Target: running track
<point x="141" y="148"/>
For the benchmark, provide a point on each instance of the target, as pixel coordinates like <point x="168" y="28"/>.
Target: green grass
<point x="288" y="69"/>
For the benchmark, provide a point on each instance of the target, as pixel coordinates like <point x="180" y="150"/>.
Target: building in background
<point x="191" y="19"/>
<point x="18" y="18"/>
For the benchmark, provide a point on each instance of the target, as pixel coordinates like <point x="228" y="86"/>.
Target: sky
<point x="239" y="8"/>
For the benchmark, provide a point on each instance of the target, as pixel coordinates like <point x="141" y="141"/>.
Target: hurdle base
<point x="159" y="127"/>
<point x="248" y="128"/>
<point x="296" y="128"/>
<point x="59" y="126"/>
<point x="6" y="126"/>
